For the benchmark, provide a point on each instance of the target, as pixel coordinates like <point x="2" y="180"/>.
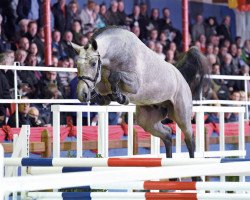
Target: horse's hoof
<point x="101" y="100"/>
<point x="107" y="100"/>
<point x="124" y="100"/>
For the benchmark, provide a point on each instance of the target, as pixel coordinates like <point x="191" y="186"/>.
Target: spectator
<point x="22" y="28"/>
<point x="218" y="86"/>
<point x="35" y="119"/>
<point x="144" y="20"/>
<point x="76" y="30"/>
<point x="73" y="14"/>
<point x="234" y="53"/>
<point x="209" y="49"/>
<point x="151" y="45"/>
<point x="154" y="20"/>
<point x="172" y="46"/>
<point x="233" y="117"/>
<point x="4" y="44"/>
<point x="124" y="20"/>
<point x="153" y="36"/>
<point x="45" y="110"/>
<point x="210" y="27"/>
<point x="159" y="50"/>
<point x="202" y="40"/>
<point x="240" y="84"/>
<point x="28" y="80"/>
<point x="60" y="11"/>
<point x="84" y="40"/>
<point x="170" y="57"/>
<point x="135" y="16"/>
<point x="23" y="118"/>
<point x="33" y="50"/>
<point x="198" y="28"/>
<point x="136" y="30"/>
<point x="67" y="49"/>
<point x="47" y="79"/>
<point x="100" y="20"/>
<point x="4" y="87"/>
<point x="224" y="30"/>
<point x="28" y="9"/>
<point x="57" y="48"/>
<point x="214" y="40"/>
<point x="54" y="61"/>
<point x="9" y="57"/>
<point x="87" y="16"/>
<point x="166" y="23"/>
<point x="211" y="59"/>
<point x="24" y="44"/>
<point x="238" y="41"/>
<point x="32" y="31"/>
<point x="20" y="56"/>
<point x="39" y="40"/>
<point x="112" y="14"/>
<point x="246" y="52"/>
<point x="227" y="68"/>
<point x="9" y="19"/>
<point x="163" y="40"/>
<point x="223" y="50"/>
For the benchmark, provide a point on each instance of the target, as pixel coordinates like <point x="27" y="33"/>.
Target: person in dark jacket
<point x="23" y="118"/>
<point x="4" y="86"/>
<point x="60" y="11"/>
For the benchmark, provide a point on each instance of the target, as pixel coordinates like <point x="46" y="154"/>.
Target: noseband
<point x="85" y="78"/>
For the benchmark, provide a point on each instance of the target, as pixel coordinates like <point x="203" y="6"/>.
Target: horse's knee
<point x="114" y="77"/>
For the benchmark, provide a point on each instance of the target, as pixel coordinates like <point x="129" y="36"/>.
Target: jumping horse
<point x="116" y="66"/>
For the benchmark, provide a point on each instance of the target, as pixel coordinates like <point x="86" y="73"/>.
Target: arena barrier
<point x="140" y="173"/>
<point x="102" y="126"/>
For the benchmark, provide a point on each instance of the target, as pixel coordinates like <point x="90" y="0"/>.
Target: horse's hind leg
<point x="181" y="113"/>
<point x="149" y="118"/>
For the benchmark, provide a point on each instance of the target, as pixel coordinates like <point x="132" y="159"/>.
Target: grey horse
<point x="115" y="65"/>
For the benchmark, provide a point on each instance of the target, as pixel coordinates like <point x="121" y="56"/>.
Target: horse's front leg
<point x="99" y="99"/>
<point x="114" y="80"/>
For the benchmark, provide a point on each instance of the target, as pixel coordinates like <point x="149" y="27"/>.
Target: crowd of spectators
<point x="22" y="41"/>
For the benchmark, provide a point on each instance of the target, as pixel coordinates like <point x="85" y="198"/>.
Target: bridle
<point x="93" y="80"/>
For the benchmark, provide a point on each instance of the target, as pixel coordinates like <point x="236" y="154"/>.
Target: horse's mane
<point x="98" y="32"/>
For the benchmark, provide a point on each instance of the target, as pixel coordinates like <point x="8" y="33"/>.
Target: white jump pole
<point x="42" y="182"/>
<point x="1" y="170"/>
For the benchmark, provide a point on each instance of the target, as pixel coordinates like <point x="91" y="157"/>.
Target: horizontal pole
<point x="216" y="109"/>
<point x="92" y="108"/>
<point x="111" y="195"/>
<point x="116" y="162"/>
<point x="31" y="183"/>
<point x="38" y="68"/>
<point x="221" y="102"/>
<point x="228" y="77"/>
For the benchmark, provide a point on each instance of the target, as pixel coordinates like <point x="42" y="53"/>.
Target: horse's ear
<point x="94" y="44"/>
<point x="76" y="47"/>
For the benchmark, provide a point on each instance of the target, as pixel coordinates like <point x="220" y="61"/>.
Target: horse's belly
<point x="151" y="97"/>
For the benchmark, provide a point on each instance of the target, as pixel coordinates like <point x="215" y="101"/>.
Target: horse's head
<point x="89" y="70"/>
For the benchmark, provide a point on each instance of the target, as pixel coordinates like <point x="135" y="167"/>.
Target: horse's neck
<point x="109" y="46"/>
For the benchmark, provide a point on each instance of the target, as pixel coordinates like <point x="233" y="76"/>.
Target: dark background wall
<point x="195" y="8"/>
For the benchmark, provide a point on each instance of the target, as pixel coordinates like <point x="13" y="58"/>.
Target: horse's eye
<point x="93" y="64"/>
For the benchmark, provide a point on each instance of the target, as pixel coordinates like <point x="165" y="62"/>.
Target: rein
<point x="85" y="78"/>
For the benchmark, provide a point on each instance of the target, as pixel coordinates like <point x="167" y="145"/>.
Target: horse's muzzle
<point x="82" y="92"/>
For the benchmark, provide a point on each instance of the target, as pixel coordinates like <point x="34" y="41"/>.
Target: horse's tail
<point x="193" y="65"/>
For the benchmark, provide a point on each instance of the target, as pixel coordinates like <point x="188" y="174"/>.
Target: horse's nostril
<point x="85" y="95"/>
